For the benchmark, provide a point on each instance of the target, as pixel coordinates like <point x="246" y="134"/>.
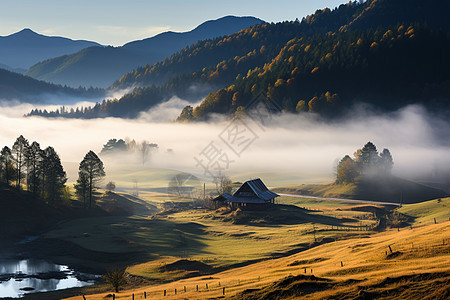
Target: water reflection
<point x="18" y="277"/>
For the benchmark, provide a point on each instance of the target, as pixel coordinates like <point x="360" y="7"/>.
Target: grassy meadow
<point x="330" y="248"/>
<point x="343" y="268"/>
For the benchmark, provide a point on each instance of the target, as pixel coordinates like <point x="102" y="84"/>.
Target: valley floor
<point x="406" y="264"/>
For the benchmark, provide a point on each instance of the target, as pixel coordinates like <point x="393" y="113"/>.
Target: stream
<point x="20" y="277"/>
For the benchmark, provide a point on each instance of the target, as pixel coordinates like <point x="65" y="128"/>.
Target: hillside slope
<point x="358" y="268"/>
<point x="15" y="86"/>
<point x="100" y="66"/>
<point x="26" y="47"/>
<point x="392" y="189"/>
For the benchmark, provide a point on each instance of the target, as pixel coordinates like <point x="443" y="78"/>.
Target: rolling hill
<point x="390" y="189"/>
<point x="100" y="66"/>
<point x="26" y="48"/>
<point x="378" y="52"/>
<point x="15" y="86"/>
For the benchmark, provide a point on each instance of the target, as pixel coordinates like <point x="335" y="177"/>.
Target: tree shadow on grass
<point x="165" y="237"/>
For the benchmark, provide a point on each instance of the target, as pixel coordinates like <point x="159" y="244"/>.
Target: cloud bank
<point x="298" y="144"/>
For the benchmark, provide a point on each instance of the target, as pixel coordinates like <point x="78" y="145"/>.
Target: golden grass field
<point x="423" y="250"/>
<point x="421" y="254"/>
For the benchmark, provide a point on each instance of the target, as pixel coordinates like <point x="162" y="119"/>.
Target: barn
<point x="253" y="194"/>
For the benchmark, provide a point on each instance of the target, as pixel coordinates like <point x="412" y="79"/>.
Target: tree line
<point x="120" y="146"/>
<point x="26" y="166"/>
<point x="16" y="85"/>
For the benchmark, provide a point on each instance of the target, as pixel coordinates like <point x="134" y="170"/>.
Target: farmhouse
<point x="253" y="194"/>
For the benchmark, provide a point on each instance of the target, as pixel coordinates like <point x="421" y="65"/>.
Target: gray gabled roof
<point x="223" y="197"/>
<point x="259" y="189"/>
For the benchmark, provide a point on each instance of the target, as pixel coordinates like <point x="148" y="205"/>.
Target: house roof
<point x="252" y="191"/>
<point x="259" y="188"/>
<point x="223" y="197"/>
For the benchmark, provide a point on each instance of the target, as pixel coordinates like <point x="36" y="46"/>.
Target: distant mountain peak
<point x="15" y="48"/>
<point x="24" y="32"/>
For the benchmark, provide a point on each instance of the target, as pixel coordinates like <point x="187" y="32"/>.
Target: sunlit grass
<point x="426" y="212"/>
<point x="362" y="259"/>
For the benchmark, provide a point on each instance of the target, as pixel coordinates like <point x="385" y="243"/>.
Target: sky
<point x="116" y="22"/>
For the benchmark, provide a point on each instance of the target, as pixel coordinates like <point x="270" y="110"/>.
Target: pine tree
<point x="386" y="161"/>
<point x="54" y="176"/>
<point x="7" y="170"/>
<point x="18" y="151"/>
<point x="368" y="157"/>
<point x="90" y="172"/>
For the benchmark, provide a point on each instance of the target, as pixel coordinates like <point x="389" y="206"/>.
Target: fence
<point x="219" y="288"/>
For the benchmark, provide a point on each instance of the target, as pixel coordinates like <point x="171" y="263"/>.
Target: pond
<point x="20" y="277"/>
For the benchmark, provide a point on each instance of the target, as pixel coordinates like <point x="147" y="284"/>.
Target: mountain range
<point x="385" y="53"/>
<point x="101" y="66"/>
<point x="21" y="50"/>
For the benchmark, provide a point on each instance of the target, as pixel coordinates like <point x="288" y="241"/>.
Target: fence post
<point x="133" y="296"/>
<point x="435" y="221"/>
<point x="223" y="291"/>
<point x="84" y="297"/>
<point x="164" y="292"/>
<point x="342" y="264"/>
<point x="175" y="291"/>
<point x="185" y="289"/>
<point x="197" y="287"/>
<point x="114" y="296"/>
<point x="206" y="286"/>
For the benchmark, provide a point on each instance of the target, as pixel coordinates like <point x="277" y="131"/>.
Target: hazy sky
<point x="115" y="22"/>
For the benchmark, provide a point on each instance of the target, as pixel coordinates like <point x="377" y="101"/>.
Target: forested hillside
<point x="16" y="86"/>
<point x="386" y="53"/>
<point x="388" y="68"/>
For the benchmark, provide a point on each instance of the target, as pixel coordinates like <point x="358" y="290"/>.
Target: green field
<point x="218" y="238"/>
<point x="426" y="212"/>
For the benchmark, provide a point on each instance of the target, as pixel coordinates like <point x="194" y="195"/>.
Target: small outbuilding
<point x="253" y="194"/>
<point x="220" y="201"/>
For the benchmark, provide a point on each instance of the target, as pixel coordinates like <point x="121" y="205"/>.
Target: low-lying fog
<point x="298" y="144"/>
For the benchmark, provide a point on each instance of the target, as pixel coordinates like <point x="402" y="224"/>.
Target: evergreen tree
<point x="114" y="145"/>
<point x="18" y="151"/>
<point x="368" y="157"/>
<point x="90" y="172"/>
<point x="386" y="161"/>
<point x="82" y="188"/>
<point x="7" y="170"/>
<point x="54" y="176"/>
<point x="33" y="160"/>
